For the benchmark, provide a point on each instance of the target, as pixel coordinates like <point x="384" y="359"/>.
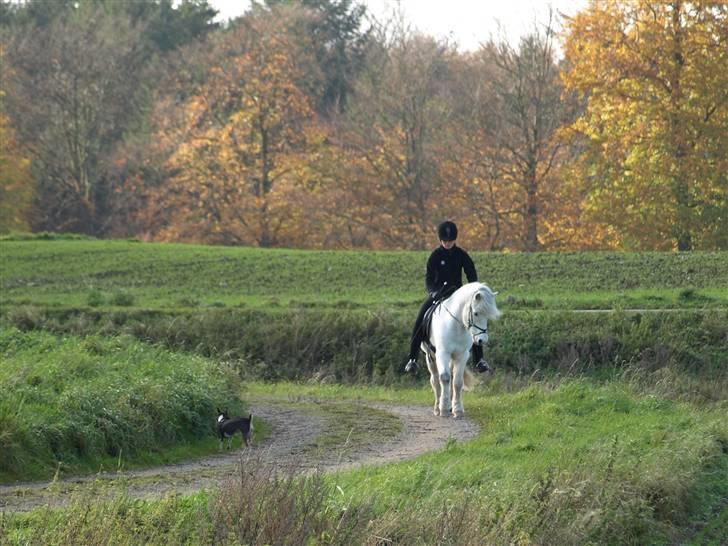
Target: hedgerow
<point x="370" y="346"/>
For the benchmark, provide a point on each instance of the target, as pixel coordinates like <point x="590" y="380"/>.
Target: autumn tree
<point x="655" y="130"/>
<point x="16" y="185"/>
<point x="71" y="95"/>
<point x="241" y="149"/>
<point x="473" y="182"/>
<point x="522" y="117"/>
<point x="333" y="30"/>
<point x="393" y="124"/>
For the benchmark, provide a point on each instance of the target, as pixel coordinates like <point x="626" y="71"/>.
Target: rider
<point x="444" y="275"/>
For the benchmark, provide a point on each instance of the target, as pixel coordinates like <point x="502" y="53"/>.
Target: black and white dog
<point x="227" y="427"/>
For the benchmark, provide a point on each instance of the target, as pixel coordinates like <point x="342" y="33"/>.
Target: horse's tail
<point x="469" y="380"/>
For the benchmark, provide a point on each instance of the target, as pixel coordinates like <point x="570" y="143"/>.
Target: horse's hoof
<point x="436" y="412"/>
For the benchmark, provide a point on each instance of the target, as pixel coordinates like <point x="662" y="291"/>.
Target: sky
<point x="467" y="22"/>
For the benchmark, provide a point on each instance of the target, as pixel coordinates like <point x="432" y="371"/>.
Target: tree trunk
<point x="680" y="188"/>
<point x="531" y="210"/>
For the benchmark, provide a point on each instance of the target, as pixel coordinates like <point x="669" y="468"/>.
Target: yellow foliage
<point x="655" y="129"/>
<point x="16" y="184"/>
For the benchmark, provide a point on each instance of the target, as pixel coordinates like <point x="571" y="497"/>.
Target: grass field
<point x="596" y="428"/>
<point x="73" y="273"/>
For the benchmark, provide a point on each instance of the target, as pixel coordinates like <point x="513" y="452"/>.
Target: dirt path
<point x="294" y="442"/>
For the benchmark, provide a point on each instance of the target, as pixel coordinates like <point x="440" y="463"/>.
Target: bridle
<point x="471" y="321"/>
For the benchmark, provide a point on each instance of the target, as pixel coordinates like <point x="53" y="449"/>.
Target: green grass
<point x="572" y="462"/>
<point x="122" y="274"/>
<point x="86" y="403"/>
<point x="597" y="428"/>
<point x="612" y="462"/>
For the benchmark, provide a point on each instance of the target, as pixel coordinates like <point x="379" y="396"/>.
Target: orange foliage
<point x="241" y="150"/>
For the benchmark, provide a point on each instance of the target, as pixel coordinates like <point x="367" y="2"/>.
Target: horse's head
<point x="482" y="308"/>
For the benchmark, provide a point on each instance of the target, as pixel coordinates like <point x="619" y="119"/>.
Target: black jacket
<point x="447" y="266"/>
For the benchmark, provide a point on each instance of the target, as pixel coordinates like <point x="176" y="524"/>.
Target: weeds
<point x="266" y="505"/>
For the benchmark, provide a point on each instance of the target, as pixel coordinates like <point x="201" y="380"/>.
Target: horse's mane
<point x="468" y="291"/>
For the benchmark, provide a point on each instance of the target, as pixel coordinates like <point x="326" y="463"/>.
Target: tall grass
<point x="370" y="346"/>
<point x="78" y="401"/>
<point x="259" y="504"/>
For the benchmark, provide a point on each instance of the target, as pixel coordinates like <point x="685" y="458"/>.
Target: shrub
<point x="78" y="400"/>
<point x="95" y="299"/>
<point x="122" y="299"/>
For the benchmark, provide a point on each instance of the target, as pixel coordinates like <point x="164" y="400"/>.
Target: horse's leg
<point x="445" y="377"/>
<point x="457" y="385"/>
<point x="434" y="381"/>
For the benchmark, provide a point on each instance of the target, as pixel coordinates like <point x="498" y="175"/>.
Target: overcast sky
<point x="468" y="22"/>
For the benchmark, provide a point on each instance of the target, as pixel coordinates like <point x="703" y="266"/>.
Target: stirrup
<point x="411" y="366"/>
<point x="482" y="366"/>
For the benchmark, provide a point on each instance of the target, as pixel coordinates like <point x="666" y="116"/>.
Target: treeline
<point x="308" y="123"/>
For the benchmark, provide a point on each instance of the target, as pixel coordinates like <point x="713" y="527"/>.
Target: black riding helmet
<point x="447" y="231"/>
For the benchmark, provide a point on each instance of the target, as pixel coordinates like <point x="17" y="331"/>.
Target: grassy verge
<point x="82" y="403"/>
<point x="567" y="463"/>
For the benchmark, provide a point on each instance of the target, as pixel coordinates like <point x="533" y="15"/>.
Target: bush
<point x="122" y="299"/>
<point x="95" y="299"/>
<point x="77" y="400"/>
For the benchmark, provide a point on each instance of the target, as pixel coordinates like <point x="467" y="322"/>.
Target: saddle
<point x="444" y="293"/>
<point x="427" y="324"/>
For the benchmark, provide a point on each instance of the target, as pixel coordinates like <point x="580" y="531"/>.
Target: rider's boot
<point x="481" y="365"/>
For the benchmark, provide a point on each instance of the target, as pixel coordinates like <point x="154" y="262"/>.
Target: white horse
<point x="457" y="323"/>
